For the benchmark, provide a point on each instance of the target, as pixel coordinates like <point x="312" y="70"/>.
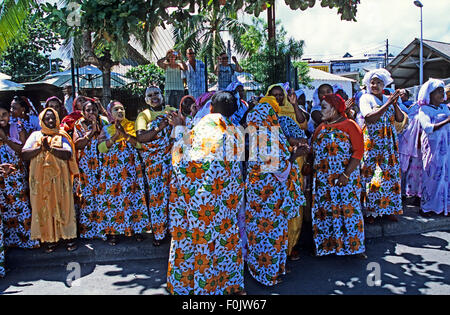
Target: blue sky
<point x="326" y="35"/>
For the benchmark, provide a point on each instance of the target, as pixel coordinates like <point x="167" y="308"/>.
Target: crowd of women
<point x="95" y="174"/>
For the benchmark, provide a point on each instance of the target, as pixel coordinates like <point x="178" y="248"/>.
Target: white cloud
<point x="325" y="34"/>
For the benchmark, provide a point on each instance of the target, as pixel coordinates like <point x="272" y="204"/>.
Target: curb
<point x="128" y="249"/>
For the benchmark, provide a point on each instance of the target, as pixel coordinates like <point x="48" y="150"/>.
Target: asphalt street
<point x="400" y="265"/>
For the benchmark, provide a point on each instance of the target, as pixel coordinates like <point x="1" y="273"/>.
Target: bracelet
<point x="345" y="175"/>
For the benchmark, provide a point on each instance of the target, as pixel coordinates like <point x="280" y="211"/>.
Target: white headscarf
<point x="427" y="89"/>
<point x="381" y="74"/>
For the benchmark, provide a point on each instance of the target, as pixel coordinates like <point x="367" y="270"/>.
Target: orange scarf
<point x="56" y="140"/>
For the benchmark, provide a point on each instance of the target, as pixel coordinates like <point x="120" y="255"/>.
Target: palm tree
<point x="12" y="14"/>
<point x="204" y="32"/>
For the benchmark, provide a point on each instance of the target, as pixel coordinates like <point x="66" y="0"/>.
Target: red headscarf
<point x="68" y="123"/>
<point x="337" y="102"/>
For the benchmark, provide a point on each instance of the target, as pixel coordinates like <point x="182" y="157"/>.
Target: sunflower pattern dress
<point x="206" y="192"/>
<point x="2" y="246"/>
<point x="338" y="224"/>
<point x="16" y="208"/>
<point x="274" y="196"/>
<point x="88" y="162"/>
<point x="156" y="156"/>
<point x="380" y="172"/>
<point x="121" y="193"/>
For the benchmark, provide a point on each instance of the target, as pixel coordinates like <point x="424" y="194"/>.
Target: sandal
<point x="361" y="256"/>
<point x="424" y="214"/>
<point x="113" y="240"/>
<point x="71" y="246"/>
<point x="294" y="256"/>
<point x="50" y="248"/>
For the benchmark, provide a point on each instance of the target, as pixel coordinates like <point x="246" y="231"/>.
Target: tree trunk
<point x="105" y="65"/>
<point x="106" y="79"/>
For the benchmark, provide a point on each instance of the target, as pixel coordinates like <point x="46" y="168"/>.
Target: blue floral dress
<point x="271" y="201"/>
<point x="121" y="193"/>
<point x="156" y="156"/>
<point x="380" y="172"/>
<point x="89" y="166"/>
<point x="16" y="208"/>
<point x="206" y="193"/>
<point x="338" y="224"/>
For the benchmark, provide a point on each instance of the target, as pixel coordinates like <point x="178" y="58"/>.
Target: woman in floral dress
<point x="85" y="136"/>
<point x="273" y="192"/>
<point x="380" y="175"/>
<point x="207" y="189"/>
<point x="338" y="224"/>
<point x="156" y="144"/>
<point x="16" y="208"/>
<point x="121" y="193"/>
<point x="24" y="115"/>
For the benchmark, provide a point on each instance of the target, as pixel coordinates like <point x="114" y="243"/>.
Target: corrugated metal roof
<point x="405" y="67"/>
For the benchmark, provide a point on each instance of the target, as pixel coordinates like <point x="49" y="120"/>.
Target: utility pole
<point x="386" y="60"/>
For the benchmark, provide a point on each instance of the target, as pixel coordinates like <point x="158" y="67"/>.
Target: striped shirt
<point x="196" y="78"/>
<point x="173" y="79"/>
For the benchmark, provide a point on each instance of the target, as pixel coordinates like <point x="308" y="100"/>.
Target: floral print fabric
<point x="158" y="169"/>
<point x="90" y="221"/>
<point x="271" y="201"/>
<point x="435" y="149"/>
<point x="16" y="208"/>
<point x="380" y="173"/>
<point x="338" y="226"/>
<point x="206" y="192"/>
<point x="120" y="193"/>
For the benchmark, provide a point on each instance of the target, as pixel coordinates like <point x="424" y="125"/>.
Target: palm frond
<point x="12" y="15"/>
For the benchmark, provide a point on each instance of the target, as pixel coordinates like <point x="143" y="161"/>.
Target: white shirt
<point x="369" y="102"/>
<point x="38" y="135"/>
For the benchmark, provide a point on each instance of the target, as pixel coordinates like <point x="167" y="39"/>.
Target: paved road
<point x="413" y="264"/>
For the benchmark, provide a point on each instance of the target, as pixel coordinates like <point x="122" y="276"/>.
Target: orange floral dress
<point x="206" y="192"/>
<point x="156" y="159"/>
<point x="274" y="196"/>
<point x="121" y="193"/>
<point x="338" y="224"/>
<point x="380" y="172"/>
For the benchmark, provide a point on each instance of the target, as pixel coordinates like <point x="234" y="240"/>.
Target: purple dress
<point x="435" y="147"/>
<point x="411" y="156"/>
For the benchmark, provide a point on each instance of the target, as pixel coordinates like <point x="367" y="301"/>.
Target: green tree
<point x="26" y="57"/>
<point x="270" y="60"/>
<point x="12" y="15"/>
<point x="145" y="75"/>
<point x="204" y="32"/>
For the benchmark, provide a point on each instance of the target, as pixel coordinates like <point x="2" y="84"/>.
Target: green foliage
<point x="204" y="32"/>
<point x="270" y="58"/>
<point x="145" y="75"/>
<point x="12" y="15"/>
<point x="302" y="70"/>
<point x="25" y="58"/>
